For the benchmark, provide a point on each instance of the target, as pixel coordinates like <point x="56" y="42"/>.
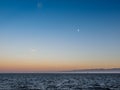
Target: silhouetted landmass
<point x="112" y="70"/>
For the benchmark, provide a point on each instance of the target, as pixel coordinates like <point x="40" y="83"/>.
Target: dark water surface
<point x="59" y="81"/>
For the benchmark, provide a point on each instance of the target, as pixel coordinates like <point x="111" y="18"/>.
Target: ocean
<point x="59" y="81"/>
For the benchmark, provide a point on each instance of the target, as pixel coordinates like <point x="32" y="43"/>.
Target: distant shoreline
<point x="63" y="73"/>
<point x="82" y="71"/>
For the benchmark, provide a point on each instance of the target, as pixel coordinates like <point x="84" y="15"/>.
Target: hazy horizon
<point x="59" y="35"/>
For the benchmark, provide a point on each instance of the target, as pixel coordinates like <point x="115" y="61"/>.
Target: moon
<point x="33" y="50"/>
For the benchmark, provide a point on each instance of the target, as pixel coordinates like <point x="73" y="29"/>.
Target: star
<point x="39" y="5"/>
<point x="78" y="30"/>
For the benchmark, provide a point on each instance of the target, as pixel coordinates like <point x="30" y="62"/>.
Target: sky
<point x="58" y="35"/>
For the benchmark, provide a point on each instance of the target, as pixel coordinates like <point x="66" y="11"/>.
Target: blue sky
<point x="46" y="30"/>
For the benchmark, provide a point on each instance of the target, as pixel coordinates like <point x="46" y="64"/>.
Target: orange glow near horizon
<point x="45" y="66"/>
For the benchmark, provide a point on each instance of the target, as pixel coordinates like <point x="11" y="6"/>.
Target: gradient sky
<point x="41" y="35"/>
